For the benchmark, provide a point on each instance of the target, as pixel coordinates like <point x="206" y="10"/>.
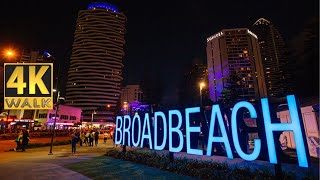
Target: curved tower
<point x="95" y="71"/>
<point x="273" y="54"/>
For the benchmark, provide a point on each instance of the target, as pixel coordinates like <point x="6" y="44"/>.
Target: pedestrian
<point x="17" y="140"/>
<point x="86" y="138"/>
<point x="96" y="137"/>
<point x="74" y="142"/>
<point x="81" y="137"/>
<point x="25" y="139"/>
<point x="105" y="136"/>
<point x="91" y="137"/>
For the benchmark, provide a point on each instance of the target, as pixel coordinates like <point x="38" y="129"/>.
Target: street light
<point x="55" y="119"/>
<point x="94" y="112"/>
<point x="201" y="85"/>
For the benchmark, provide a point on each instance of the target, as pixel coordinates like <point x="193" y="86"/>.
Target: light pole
<point x="94" y="112"/>
<point x="55" y="119"/>
<point x="201" y="85"/>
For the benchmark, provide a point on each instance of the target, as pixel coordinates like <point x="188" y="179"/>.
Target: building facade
<point x="235" y="51"/>
<point x="131" y="93"/>
<point x="95" y="71"/>
<point x="274" y="60"/>
<point x="190" y="89"/>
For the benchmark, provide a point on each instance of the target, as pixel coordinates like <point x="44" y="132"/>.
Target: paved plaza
<point x="37" y="164"/>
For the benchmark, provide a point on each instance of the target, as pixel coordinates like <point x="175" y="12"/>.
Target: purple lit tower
<point x="235" y="51"/>
<point x="95" y="72"/>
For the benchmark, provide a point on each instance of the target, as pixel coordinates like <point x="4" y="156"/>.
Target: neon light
<point x="176" y="129"/>
<point x="126" y="130"/>
<point x="257" y="142"/>
<point x="146" y="123"/>
<point x="103" y="5"/>
<point x="163" y="117"/>
<point x="136" y="144"/>
<point x="224" y="138"/>
<point x="118" y="129"/>
<point x="191" y="129"/>
<point x="293" y="126"/>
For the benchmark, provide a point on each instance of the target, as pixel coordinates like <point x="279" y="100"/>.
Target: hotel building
<point x="235" y="51"/>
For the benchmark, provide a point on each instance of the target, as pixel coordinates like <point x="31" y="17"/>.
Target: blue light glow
<point x="224" y="137"/>
<point x="164" y="122"/>
<point x="136" y="144"/>
<point x="175" y="129"/>
<point x="146" y="123"/>
<point x="293" y="126"/>
<point x="257" y="142"/>
<point x="118" y="129"/>
<point x="191" y="129"/>
<point x="126" y="130"/>
<point x="103" y="5"/>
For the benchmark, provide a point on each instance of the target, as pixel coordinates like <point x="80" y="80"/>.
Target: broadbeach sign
<point x="136" y="131"/>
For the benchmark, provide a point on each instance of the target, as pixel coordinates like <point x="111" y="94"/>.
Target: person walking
<point x="17" y="140"/>
<point x="105" y="136"/>
<point x="96" y="137"/>
<point x="86" y="138"/>
<point x="81" y="137"/>
<point x="74" y="142"/>
<point x="25" y="139"/>
<point x="91" y="138"/>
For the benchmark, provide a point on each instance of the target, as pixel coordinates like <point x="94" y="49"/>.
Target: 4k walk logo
<point x="28" y="86"/>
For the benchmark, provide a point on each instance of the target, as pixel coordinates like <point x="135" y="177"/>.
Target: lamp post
<point x="201" y="85"/>
<point x="94" y="112"/>
<point x="55" y="119"/>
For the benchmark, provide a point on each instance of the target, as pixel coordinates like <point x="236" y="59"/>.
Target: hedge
<point x="194" y="168"/>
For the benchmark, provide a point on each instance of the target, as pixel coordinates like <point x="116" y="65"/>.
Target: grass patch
<point x="104" y="167"/>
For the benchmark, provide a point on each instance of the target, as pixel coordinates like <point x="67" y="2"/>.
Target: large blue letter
<point x="126" y="130"/>
<point x="257" y="142"/>
<point x="118" y="129"/>
<point x="176" y="129"/>
<point x="136" y="144"/>
<point x="164" y="140"/>
<point x="146" y="124"/>
<point x="191" y="129"/>
<point x="293" y="126"/>
<point x="224" y="137"/>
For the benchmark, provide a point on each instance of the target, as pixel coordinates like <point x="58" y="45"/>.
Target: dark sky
<point x="163" y="36"/>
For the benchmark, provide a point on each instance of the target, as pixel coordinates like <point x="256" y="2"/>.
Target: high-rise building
<point x="95" y="71"/>
<point x="235" y="51"/>
<point x="131" y="93"/>
<point x="190" y="88"/>
<point x="273" y="54"/>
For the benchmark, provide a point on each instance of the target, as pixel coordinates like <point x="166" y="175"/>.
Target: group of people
<point x="85" y="137"/>
<point x="22" y="140"/>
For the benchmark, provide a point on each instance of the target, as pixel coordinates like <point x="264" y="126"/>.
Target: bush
<point x="12" y="136"/>
<point x="195" y="168"/>
<point x="55" y="143"/>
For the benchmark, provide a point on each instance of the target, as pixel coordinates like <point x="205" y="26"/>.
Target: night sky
<point x="162" y="36"/>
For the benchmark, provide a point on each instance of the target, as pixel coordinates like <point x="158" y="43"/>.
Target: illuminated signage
<point x="148" y="133"/>
<point x="28" y="86"/>
<point x="214" y="36"/>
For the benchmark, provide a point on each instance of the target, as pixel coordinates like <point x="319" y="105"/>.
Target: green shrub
<point x="195" y="168"/>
